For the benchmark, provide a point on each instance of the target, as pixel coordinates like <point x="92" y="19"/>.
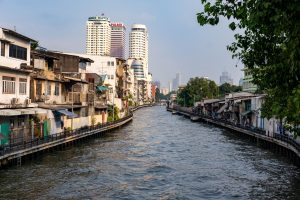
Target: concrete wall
<point x="83" y="121"/>
<point x="58" y="99"/>
<point x="13" y="62"/>
<point x="6" y="98"/>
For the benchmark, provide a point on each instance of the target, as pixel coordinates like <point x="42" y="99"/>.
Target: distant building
<point x="225" y="78"/>
<point x="170" y="86"/>
<point x="164" y="90"/>
<point x="248" y="86"/>
<point x="118" y="35"/>
<point x="138" y="67"/>
<point x="153" y="91"/>
<point x="98" y="36"/>
<point x="176" y="82"/>
<point x="157" y="83"/>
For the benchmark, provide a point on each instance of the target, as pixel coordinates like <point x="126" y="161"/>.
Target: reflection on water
<point x="157" y="156"/>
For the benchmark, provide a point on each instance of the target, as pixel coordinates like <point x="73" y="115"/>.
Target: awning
<point x="22" y="111"/>
<point x="246" y="113"/>
<point x="76" y="79"/>
<point x="222" y="108"/>
<point x="26" y="111"/>
<point x="100" y="107"/>
<point x="101" y="88"/>
<point x="39" y="110"/>
<point x="9" y="112"/>
<point x="67" y="113"/>
<point x="237" y="101"/>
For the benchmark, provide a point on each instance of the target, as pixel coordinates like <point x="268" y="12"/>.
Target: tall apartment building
<point x="138" y="44"/>
<point x="98" y="36"/>
<point x="118" y="42"/>
<point x="176" y="82"/>
<point x="225" y="78"/>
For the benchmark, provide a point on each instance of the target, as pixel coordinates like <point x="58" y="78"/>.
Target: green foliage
<point x="227" y="88"/>
<point x="130" y="103"/>
<point x="159" y="96"/>
<point x="268" y="44"/>
<point x="197" y="89"/>
<point x="34" y="45"/>
<point x="112" y="117"/>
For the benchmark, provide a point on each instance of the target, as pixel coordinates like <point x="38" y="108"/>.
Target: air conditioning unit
<point x="14" y="101"/>
<point x="27" y="101"/>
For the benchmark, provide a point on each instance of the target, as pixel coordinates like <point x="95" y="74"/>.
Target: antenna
<point x="15" y="28"/>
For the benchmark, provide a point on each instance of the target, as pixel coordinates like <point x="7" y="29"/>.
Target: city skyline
<point x="177" y="42"/>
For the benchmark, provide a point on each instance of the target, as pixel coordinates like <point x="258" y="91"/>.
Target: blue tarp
<point x="101" y="88"/>
<point x="67" y="113"/>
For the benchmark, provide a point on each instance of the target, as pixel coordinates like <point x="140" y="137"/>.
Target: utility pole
<point x="113" y="101"/>
<point x="72" y="106"/>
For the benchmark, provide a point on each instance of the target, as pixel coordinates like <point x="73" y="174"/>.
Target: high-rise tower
<point x="138" y="44"/>
<point x="98" y="36"/>
<point x="117" y="47"/>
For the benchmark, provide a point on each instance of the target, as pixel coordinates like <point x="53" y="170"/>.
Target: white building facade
<point x="15" y="80"/>
<point x="118" y="40"/>
<point x="98" y="36"/>
<point x="138" y="44"/>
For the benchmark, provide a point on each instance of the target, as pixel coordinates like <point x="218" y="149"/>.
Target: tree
<point x="157" y="94"/>
<point x="197" y="89"/>
<point x="227" y="88"/>
<point x="113" y="113"/>
<point x="268" y="44"/>
<point x="34" y="45"/>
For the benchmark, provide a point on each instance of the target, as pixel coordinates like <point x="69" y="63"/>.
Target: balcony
<point x="77" y="98"/>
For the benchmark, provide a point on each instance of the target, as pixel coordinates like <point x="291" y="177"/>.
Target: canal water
<point x="157" y="156"/>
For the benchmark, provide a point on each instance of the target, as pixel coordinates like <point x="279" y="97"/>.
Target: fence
<point x="5" y="149"/>
<point x="256" y="130"/>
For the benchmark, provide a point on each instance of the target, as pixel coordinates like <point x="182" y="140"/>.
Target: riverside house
<point x="16" y="108"/>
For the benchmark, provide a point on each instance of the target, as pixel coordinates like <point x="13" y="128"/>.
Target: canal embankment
<point x="280" y="144"/>
<point x="17" y="154"/>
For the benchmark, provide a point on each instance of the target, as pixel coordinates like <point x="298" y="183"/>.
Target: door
<point x="5" y="132"/>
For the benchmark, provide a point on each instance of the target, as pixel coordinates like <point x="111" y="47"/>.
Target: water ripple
<point x="157" y="156"/>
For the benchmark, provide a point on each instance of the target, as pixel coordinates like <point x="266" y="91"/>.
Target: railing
<point x="256" y="130"/>
<point x="6" y="149"/>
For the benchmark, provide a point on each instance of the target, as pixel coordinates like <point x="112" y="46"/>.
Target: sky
<point x="177" y="43"/>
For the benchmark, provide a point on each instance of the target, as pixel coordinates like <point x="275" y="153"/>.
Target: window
<point x="56" y="89"/>
<point x="38" y="87"/>
<point x="9" y="85"/>
<point x="17" y="52"/>
<point x="2" y="49"/>
<point x="108" y="63"/>
<point x="48" y="88"/>
<point x="22" y="85"/>
<point x="112" y="63"/>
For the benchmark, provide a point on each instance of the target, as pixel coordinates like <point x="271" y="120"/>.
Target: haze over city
<point x="176" y="41"/>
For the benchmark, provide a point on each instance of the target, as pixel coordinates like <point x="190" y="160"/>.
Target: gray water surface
<point x="157" y="156"/>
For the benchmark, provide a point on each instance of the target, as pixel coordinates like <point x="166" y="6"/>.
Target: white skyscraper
<point x="117" y="48"/>
<point x="138" y="44"/>
<point x="98" y="36"/>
